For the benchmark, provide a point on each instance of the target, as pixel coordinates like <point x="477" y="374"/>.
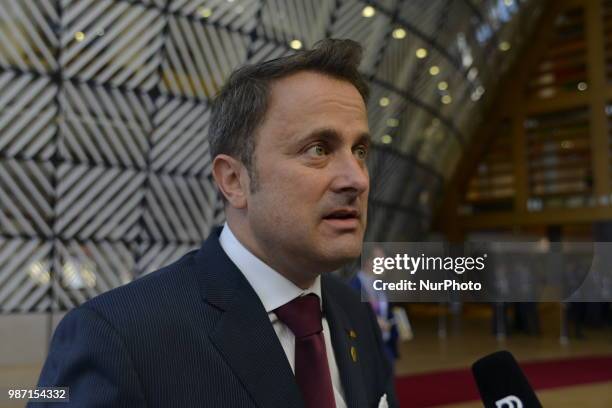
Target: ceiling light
<point x="547" y="92"/>
<point x="205" y="12"/>
<point x="467" y="60"/>
<point x="472" y="73"/>
<point x="582" y="86"/>
<point x="421" y="53"/>
<point x="368" y="11"/>
<point x="434" y="70"/>
<point x="446" y="99"/>
<point x="392" y="122"/>
<point x="504" y="46"/>
<point x="478" y="92"/>
<point x="295" y="44"/>
<point x="399" y="33"/>
<point x="386" y="139"/>
<point x="79" y="36"/>
<point x="384" y="101"/>
<point x="443" y="85"/>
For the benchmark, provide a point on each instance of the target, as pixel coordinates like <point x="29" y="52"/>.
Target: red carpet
<point x="454" y="386"/>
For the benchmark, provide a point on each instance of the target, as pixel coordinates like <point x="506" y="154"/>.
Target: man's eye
<point x="361" y="152"/>
<point x="317" y="151"/>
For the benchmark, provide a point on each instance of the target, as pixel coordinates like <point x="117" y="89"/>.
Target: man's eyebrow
<point x="332" y="135"/>
<point x="322" y="133"/>
<point x="365" y="138"/>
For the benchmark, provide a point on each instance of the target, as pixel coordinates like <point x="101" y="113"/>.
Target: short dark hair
<point x="242" y="103"/>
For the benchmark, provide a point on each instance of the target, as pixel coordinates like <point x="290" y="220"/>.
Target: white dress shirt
<point x="274" y="290"/>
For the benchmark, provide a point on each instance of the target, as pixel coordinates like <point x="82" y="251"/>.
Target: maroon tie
<point x="303" y="316"/>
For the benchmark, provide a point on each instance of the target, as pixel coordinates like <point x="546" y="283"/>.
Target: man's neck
<point x="287" y="269"/>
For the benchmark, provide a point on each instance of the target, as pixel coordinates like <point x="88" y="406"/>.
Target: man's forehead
<point x="306" y="101"/>
<point x="313" y="86"/>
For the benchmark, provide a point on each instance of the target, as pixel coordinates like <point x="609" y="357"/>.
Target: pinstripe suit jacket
<point x="195" y="334"/>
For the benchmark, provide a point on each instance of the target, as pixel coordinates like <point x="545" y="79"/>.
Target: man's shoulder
<point x="149" y="294"/>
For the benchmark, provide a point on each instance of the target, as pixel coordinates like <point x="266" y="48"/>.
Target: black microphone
<point x="502" y="384"/>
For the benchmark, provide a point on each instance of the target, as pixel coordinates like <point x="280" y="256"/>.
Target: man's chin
<point x="343" y="254"/>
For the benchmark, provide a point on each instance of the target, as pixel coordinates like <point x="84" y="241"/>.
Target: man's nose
<point x="351" y="174"/>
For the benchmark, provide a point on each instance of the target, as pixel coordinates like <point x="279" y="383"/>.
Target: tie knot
<point x="302" y="315"/>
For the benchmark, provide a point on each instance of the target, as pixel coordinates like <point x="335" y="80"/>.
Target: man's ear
<point x="232" y="179"/>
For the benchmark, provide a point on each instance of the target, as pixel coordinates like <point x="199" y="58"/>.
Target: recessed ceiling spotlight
<point x="392" y="122"/>
<point x="399" y="33"/>
<point x="368" y="11"/>
<point x="421" y="53"/>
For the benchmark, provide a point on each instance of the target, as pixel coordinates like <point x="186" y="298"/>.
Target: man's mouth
<point x="343" y="214"/>
<point x="345" y="218"/>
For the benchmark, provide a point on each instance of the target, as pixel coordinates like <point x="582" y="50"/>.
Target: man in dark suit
<point x="253" y="318"/>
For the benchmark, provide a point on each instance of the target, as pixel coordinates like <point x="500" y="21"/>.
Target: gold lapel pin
<point x="354" y="354"/>
<point x="352" y="334"/>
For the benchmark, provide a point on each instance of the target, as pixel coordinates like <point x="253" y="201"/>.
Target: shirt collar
<point x="273" y="289"/>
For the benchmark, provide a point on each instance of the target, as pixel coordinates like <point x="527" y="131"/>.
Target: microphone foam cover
<point x="501" y="382"/>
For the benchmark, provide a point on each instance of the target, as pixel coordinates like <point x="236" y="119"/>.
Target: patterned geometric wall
<point x="104" y="160"/>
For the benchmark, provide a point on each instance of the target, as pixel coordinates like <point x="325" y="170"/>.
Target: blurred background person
<point x="362" y="282"/>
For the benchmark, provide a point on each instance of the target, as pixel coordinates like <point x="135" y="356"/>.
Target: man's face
<point x="310" y="205"/>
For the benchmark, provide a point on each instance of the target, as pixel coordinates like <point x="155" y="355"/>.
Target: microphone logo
<point x="509" y="402"/>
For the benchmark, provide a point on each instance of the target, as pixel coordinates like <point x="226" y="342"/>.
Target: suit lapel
<point x="247" y="341"/>
<point x="244" y="335"/>
<point x="350" y="371"/>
